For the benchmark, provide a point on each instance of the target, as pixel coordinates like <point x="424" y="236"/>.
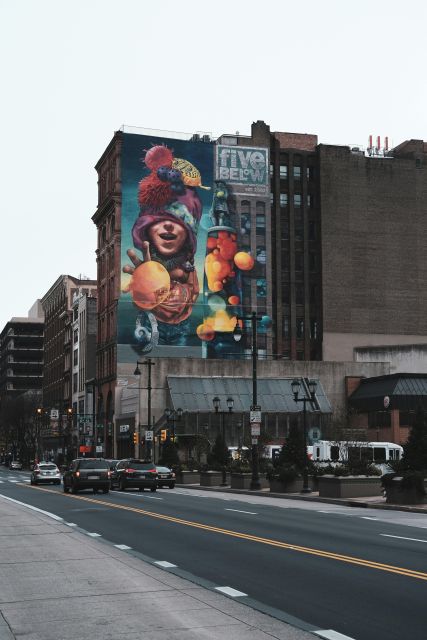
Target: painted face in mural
<point x="168" y="237"/>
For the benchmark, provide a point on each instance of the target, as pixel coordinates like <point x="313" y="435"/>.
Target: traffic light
<point x="163" y="435"/>
<point x="135" y="438"/>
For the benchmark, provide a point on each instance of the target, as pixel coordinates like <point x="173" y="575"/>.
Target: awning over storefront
<point x="195" y="394"/>
<point x="404" y="391"/>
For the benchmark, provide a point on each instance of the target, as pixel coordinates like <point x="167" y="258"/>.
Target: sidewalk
<point x="57" y="583"/>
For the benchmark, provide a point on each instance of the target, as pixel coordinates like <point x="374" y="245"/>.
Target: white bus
<point x="375" y="452"/>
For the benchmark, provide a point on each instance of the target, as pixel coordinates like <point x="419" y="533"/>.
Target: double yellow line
<point x="409" y="573"/>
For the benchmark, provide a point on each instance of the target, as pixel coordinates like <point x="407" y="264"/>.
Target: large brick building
<point x="340" y="240"/>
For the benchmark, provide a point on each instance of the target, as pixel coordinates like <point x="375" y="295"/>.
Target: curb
<point x="308" y="498"/>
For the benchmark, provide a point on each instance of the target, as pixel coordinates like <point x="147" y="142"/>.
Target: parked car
<point x="45" y="472"/>
<point x="87" y="473"/>
<point x="134" y="473"/>
<point x="16" y="464"/>
<point x="165" y="477"/>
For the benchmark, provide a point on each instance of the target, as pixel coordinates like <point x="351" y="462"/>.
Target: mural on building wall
<point x="181" y="263"/>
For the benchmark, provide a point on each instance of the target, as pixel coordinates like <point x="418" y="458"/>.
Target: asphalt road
<point x="360" y="572"/>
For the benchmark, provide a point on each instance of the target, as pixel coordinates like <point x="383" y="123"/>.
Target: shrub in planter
<point x="407" y="488"/>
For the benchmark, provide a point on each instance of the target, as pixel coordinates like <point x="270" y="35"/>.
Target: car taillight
<point x="152" y="471"/>
<point x="109" y="474"/>
<point x="129" y="470"/>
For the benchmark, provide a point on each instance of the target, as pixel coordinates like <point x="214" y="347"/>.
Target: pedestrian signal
<point x="163" y="435"/>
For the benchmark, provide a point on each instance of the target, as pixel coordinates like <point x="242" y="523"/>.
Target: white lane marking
<point x="330" y="634"/>
<point x="14" y="481"/>
<point x="387" y="535"/>
<point x="29" y="506"/>
<point x="368" y="518"/>
<point x="153" y="498"/>
<point x="123" y="547"/>
<point x="164" y="563"/>
<point x="229" y="591"/>
<point x="251" y="513"/>
<point x="93" y="535"/>
<point x="70" y="524"/>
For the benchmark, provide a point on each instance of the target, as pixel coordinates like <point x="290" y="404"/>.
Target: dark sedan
<point x="133" y="473"/>
<point x="165" y="477"/>
<point x="87" y="473"/>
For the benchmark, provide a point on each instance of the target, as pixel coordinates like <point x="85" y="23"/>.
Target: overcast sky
<point x="72" y="73"/>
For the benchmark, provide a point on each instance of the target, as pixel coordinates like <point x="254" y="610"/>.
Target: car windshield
<point x="93" y="464"/>
<point x="47" y="467"/>
<point x="138" y="464"/>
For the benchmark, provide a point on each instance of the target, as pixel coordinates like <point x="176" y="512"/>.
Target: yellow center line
<point x="410" y="573"/>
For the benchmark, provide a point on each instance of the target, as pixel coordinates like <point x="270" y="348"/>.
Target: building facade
<point x="334" y="239"/>
<point x="58" y="361"/>
<point x="21" y="356"/>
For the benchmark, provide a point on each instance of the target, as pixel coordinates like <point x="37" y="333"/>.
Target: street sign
<point x="255" y="417"/>
<point x="255" y="429"/>
<point x="254" y="440"/>
<point x="386" y="402"/>
<point x="99" y="448"/>
<point x="54" y="414"/>
<point x="149" y="435"/>
<point x="124" y="428"/>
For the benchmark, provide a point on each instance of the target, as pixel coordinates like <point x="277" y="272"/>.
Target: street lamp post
<point x="149" y="363"/>
<point x="230" y="404"/>
<point x="237" y="335"/>
<point x="312" y="385"/>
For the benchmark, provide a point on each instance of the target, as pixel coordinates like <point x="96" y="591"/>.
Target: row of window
<point x="299" y="294"/>
<point x="297" y="172"/>
<point x="297" y="200"/>
<point x="299" y="328"/>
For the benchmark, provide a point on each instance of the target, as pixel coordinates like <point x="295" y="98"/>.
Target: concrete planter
<point x="395" y="494"/>
<point x="188" y="477"/>
<point x="295" y="486"/>
<point x="211" y="478"/>
<point x="349" y="486"/>
<point x="243" y="481"/>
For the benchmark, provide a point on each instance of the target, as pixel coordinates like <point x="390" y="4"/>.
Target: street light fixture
<point x="312" y="386"/>
<point x="149" y="363"/>
<point x="230" y="404"/>
<point x="237" y="335"/>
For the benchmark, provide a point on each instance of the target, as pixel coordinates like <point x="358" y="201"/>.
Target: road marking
<point x="153" y="498"/>
<point x="229" y="591"/>
<point x="330" y="634"/>
<point x="252" y="513"/>
<point x="387" y="535"/>
<point x="368" y="518"/>
<point x="369" y="564"/>
<point x="70" y="524"/>
<point x="165" y="563"/>
<point x="29" y="506"/>
<point x="123" y="547"/>
<point x="14" y="481"/>
<point x="93" y="535"/>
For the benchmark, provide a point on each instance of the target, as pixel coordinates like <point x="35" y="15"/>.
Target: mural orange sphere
<point x="150" y="285"/>
<point x="217" y="286"/>
<point x="234" y="300"/>
<point x="205" y="332"/>
<point x="244" y="261"/>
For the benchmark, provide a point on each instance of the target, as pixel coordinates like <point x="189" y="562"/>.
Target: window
<point x="261" y="288"/>
<point x="75" y="357"/>
<point x="300" y="327"/>
<point x="260" y="224"/>
<point x="310" y="200"/>
<point x="261" y="255"/>
<point x="271" y="169"/>
<point x="311" y="230"/>
<point x="283" y="171"/>
<point x="310" y="173"/>
<point x="299" y="225"/>
<point x="283" y="199"/>
<point x="245" y="223"/>
<point x="312" y="261"/>
<point x="75" y="383"/>
<point x="284" y="234"/>
<point x="297" y="173"/>
<point x="313" y="328"/>
<point x="76" y="336"/>
<point x="286" y="326"/>
<point x="299" y="294"/>
<point x="297" y="200"/>
<point x="271" y="198"/>
<point x="299" y="261"/>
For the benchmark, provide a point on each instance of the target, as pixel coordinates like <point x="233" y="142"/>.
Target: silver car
<point x="16" y="464"/>
<point x="45" y="472"/>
